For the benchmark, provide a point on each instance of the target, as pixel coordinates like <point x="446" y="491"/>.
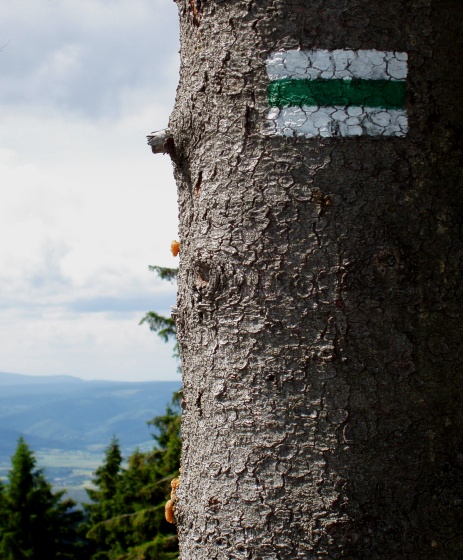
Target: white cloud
<point x="79" y="55"/>
<point x="87" y="346"/>
<point x="98" y="210"/>
<point x="84" y="205"/>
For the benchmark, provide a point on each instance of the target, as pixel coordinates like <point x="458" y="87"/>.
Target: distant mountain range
<point x="68" y="413"/>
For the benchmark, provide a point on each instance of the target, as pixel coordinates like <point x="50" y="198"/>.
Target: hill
<point x="17" y="379"/>
<point x="70" y="414"/>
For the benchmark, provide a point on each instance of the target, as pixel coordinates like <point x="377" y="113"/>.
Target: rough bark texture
<point x="320" y="295"/>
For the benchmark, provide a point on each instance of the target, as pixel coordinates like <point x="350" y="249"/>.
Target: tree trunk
<point x="320" y="293"/>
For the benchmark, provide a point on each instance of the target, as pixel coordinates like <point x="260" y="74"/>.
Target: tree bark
<point x="320" y="293"/>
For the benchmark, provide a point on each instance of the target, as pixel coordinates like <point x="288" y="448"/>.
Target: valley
<point x="68" y="422"/>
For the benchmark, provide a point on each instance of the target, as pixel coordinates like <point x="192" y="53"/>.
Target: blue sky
<point x="84" y="205"/>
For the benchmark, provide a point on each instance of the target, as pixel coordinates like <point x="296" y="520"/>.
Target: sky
<point x="85" y="206"/>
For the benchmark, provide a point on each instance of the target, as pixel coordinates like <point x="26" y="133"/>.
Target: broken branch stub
<point x="159" y="141"/>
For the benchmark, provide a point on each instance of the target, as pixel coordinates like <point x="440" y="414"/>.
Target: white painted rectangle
<point x="336" y="121"/>
<point x="337" y="64"/>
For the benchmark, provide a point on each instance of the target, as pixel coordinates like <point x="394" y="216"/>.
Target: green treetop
<point x="126" y="518"/>
<point x="34" y="521"/>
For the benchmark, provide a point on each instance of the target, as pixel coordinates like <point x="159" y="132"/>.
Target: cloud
<point x="90" y="218"/>
<point x="85" y="206"/>
<point x="124" y="305"/>
<point x="85" y="346"/>
<point x="83" y="56"/>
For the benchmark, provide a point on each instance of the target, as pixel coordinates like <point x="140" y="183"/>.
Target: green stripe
<point x="387" y="94"/>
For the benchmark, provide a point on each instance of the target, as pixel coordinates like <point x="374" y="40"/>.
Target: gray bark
<point x="320" y="295"/>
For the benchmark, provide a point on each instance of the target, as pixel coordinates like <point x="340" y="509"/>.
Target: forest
<point x="124" y="518"/>
<point x="317" y="152"/>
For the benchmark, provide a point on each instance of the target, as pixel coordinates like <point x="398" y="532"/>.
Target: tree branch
<point x="161" y="141"/>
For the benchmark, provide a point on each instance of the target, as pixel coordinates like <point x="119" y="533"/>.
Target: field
<point x="68" y="470"/>
<point x="68" y="423"/>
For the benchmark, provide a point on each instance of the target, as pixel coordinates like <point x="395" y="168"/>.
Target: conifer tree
<point x="105" y="505"/>
<point x="34" y="521"/>
<point x="126" y="518"/>
<point x="163" y="326"/>
<point x="317" y="148"/>
<point x="155" y="538"/>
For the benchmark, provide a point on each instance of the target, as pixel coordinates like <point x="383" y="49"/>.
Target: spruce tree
<point x="163" y="326"/>
<point x="34" y="521"/>
<point x="126" y="518"/>
<point x="317" y="148"/>
<point x="155" y="539"/>
<point x="105" y="504"/>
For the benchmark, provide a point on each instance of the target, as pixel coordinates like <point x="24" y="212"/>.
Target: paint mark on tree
<point x="337" y="93"/>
